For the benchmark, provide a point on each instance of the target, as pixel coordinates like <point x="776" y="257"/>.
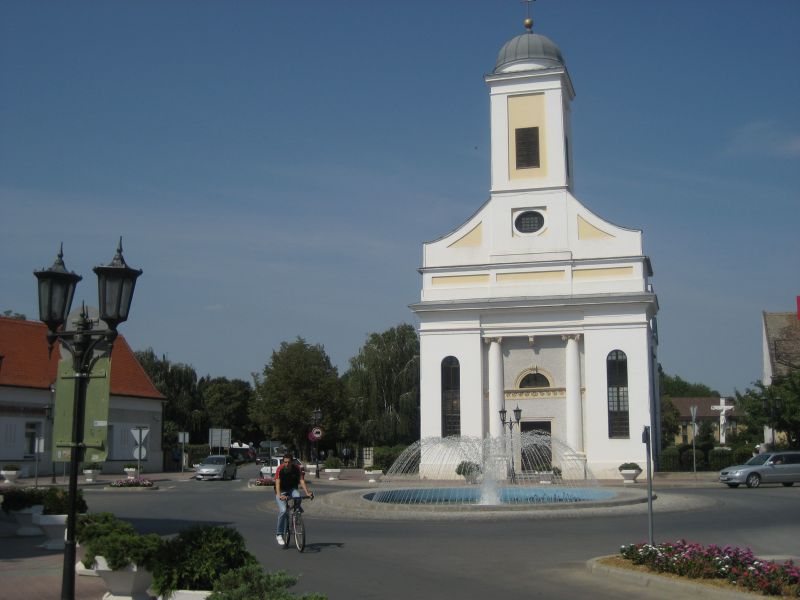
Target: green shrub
<point x="719" y="458"/>
<point x="122" y="549"/>
<point x="252" y="583"/>
<point x="10" y="467"/>
<point x="669" y="459"/>
<point x="21" y="498"/>
<point x="56" y="502"/>
<point x="383" y="457"/>
<point x="333" y="462"/>
<point x="96" y="525"/>
<point x="629" y="466"/>
<point x="196" y="557"/>
<point x="91" y="466"/>
<point x="687" y="463"/>
<point x="742" y="455"/>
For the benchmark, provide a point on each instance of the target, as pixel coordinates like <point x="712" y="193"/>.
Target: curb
<point x="677" y="588"/>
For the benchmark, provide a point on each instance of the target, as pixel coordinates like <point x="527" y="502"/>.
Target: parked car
<point x="270" y="466"/>
<point x="216" y="466"/>
<point x="769" y="467"/>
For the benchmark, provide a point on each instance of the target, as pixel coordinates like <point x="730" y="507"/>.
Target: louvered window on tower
<point x="527" y="144"/>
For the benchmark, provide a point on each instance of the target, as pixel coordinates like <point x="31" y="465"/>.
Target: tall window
<point x="527" y="144"/>
<point x="31" y="434"/>
<point x="534" y="380"/>
<point x="617" y="375"/>
<point x="451" y="397"/>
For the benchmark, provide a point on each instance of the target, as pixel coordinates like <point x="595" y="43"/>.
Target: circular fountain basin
<point x="505" y="496"/>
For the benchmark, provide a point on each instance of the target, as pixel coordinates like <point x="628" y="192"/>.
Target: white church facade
<point x="536" y="302"/>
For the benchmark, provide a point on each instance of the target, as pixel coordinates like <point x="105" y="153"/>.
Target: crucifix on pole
<point x="723" y="419"/>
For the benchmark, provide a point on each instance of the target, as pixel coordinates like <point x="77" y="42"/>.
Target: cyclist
<point x="288" y="478"/>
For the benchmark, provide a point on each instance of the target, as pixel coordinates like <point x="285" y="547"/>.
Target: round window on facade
<point x="529" y="222"/>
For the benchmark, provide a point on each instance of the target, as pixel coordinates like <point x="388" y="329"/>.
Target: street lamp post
<point x="517" y="417"/>
<point x="116" y="282"/>
<point x="317" y="415"/>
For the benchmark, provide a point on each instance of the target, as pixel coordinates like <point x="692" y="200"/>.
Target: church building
<point x="535" y="301"/>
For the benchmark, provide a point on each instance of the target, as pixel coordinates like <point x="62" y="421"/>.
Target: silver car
<point x="217" y="466"/>
<point x="769" y="467"/>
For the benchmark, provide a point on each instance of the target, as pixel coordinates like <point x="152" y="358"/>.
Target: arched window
<point x="534" y="380"/>
<point x="617" y="377"/>
<point x="451" y="397"/>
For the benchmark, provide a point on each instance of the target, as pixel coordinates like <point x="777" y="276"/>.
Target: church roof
<point x="23" y="346"/>
<point x="782" y="331"/>
<point x="529" y="47"/>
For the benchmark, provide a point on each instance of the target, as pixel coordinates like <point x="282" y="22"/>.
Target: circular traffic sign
<point x="315" y="434"/>
<point x="140" y="452"/>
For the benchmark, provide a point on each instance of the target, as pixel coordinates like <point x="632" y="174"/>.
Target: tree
<point x="776" y="406"/>
<point x="670" y="422"/>
<point x="226" y="403"/>
<point x="298" y="379"/>
<point x="183" y="410"/>
<point x="675" y="387"/>
<point x="11" y="314"/>
<point x="383" y="387"/>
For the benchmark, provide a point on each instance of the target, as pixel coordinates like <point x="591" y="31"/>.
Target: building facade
<point x="27" y="398"/>
<point x="535" y="301"/>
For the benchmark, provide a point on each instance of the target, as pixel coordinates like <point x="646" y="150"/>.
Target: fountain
<point x="530" y="468"/>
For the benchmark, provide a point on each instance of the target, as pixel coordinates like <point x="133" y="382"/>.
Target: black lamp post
<point x="317" y="416"/>
<point x="517" y="418"/>
<point x="116" y="282"/>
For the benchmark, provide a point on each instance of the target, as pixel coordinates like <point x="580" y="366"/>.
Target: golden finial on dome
<point x="528" y="22"/>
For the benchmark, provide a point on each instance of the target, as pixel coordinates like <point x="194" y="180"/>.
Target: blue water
<point x="472" y="495"/>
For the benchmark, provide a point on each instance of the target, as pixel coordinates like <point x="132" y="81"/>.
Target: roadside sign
<point x="139" y="452"/>
<point x="183" y="437"/>
<point x="219" y="438"/>
<point x="139" y="433"/>
<point x="315" y="434"/>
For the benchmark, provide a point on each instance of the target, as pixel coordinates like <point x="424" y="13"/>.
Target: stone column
<point x="574" y="412"/>
<point x="496" y="387"/>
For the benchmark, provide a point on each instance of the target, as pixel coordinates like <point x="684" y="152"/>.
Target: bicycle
<point x="294" y="527"/>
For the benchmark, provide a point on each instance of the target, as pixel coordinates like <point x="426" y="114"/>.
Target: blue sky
<point x="274" y="167"/>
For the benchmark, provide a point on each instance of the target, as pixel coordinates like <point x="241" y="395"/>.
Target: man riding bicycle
<point x="288" y="478"/>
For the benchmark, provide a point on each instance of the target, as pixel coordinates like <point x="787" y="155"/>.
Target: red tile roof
<point x="704" y="405"/>
<point x="23" y="346"/>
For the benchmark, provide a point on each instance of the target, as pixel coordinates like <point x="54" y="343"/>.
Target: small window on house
<point x="534" y="380"/>
<point x="31" y="434"/>
<point x="617" y="381"/>
<point x="529" y="221"/>
<point x="527" y="145"/>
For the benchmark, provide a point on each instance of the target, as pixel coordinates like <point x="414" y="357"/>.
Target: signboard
<point x="95" y="422"/>
<point x="183" y="437"/>
<point x="315" y="434"/>
<point x="219" y="438"/>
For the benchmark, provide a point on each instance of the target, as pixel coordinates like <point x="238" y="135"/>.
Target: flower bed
<point x="264" y="481"/>
<point x="134" y="482"/>
<point x="736" y="565"/>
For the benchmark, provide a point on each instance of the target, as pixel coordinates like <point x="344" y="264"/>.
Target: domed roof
<point x="528" y="51"/>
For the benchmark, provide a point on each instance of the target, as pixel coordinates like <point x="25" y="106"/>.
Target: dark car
<point x="769" y="467"/>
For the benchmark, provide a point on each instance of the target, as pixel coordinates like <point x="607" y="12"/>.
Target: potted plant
<point x="192" y="561"/>
<point x="92" y="526"/>
<point x="125" y="561"/>
<point x="10" y="473"/>
<point x="253" y="583"/>
<point x="333" y="467"/>
<point x="91" y="470"/>
<point x="53" y="518"/>
<point x="22" y="504"/>
<point x="130" y="470"/>
<point x="630" y="471"/>
<point x="468" y="470"/>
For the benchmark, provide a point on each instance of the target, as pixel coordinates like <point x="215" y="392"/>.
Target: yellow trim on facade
<point x="609" y="273"/>
<point x="587" y="231"/>
<point x="526" y="111"/>
<point x="531" y="276"/>
<point x="471" y="239"/>
<point x="459" y="280"/>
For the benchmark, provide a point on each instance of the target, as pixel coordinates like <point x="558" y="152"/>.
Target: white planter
<point x="333" y="474"/>
<point x="10" y="477"/>
<point x="91" y="475"/>
<point x="372" y="476"/>
<point x="54" y="527"/>
<point x="187" y="595"/>
<point x="24" y="519"/>
<point x="130" y="583"/>
<point x="544" y="477"/>
<point x="131" y="473"/>
<point x="630" y="475"/>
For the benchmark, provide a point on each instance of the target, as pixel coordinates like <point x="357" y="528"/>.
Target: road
<point x="519" y="558"/>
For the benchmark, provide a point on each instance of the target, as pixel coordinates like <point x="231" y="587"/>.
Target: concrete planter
<point x="630" y="475"/>
<point x="10" y="477"/>
<point x="24" y="519"/>
<point x="333" y="474"/>
<point x="91" y="475"/>
<point x="131" y="473"/>
<point x="54" y="527"/>
<point x="130" y="583"/>
<point x="372" y="476"/>
<point x="545" y="477"/>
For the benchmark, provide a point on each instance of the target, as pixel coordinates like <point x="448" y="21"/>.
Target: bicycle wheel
<point x="299" y="530"/>
<point x="287" y="538"/>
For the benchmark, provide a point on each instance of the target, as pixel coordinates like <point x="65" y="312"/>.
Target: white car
<point x="270" y="466"/>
